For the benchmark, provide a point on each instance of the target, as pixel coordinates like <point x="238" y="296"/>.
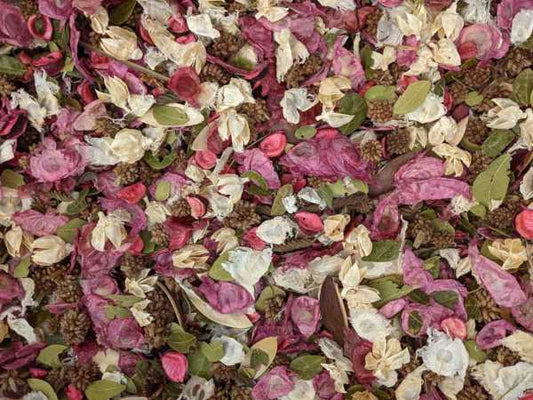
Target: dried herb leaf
<point x="446" y="298"/>
<point x="217" y="271"/>
<point x="333" y="310"/>
<point x="490" y="186"/>
<point x="496" y="143"/>
<point x="11" y="66"/>
<point x="162" y="191"/>
<point x="170" y="116"/>
<point x="180" y="340"/>
<point x="103" y="390"/>
<point x="122" y="12"/>
<point x="412" y="98"/>
<point x="212" y="351"/>
<point x="67" y="232"/>
<point x="386" y="250"/>
<point x="50" y="355"/>
<point x="38" y="385"/>
<point x="307" y="366"/>
<point x="523" y="87"/>
<point x="353" y="104"/>
<point x="305" y="132"/>
<point x="277" y="206"/>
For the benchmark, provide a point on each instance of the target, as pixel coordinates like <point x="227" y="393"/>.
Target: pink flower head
<point x="38" y="224"/>
<point x="492" y="334"/>
<point x="345" y="63"/>
<point x="309" y="222"/>
<point x="125" y="333"/>
<point x="305" y="313"/>
<point x="56" y="9"/>
<point x="274" y="145"/>
<point x="482" y="41"/>
<point x="273" y="385"/>
<point x="13" y="27"/>
<point x="186" y="84"/>
<point x="52" y="164"/>
<point x="524" y="223"/>
<point x="52" y="63"/>
<point x="507" y="9"/>
<point x="175" y="365"/>
<point x="226" y="297"/>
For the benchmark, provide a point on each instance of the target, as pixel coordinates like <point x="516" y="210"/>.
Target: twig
<point x="129" y="64"/>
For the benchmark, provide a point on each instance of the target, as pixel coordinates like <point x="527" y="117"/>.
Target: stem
<point x="129" y="64"/>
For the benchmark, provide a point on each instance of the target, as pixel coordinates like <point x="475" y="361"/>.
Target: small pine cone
<point x="504" y="356"/>
<point x="132" y="265"/>
<point x="488" y="309"/>
<point x="226" y="45"/>
<point x="90" y="213"/>
<point x="371" y="22"/>
<point x="503" y="216"/>
<point x="160" y="235"/>
<point x="458" y="92"/>
<point x="421" y="230"/>
<point x="243" y="216"/>
<point x="273" y="308"/>
<point x="399" y="142"/>
<point x="156" y="334"/>
<point x="496" y="90"/>
<point x="58" y="378"/>
<point x="147" y="175"/>
<point x="28" y="139"/>
<point x="371" y="151"/>
<point x="315" y="181"/>
<point x="106" y="127"/>
<point x="477" y="77"/>
<point x="74" y="326"/>
<point x="180" y="208"/>
<point x="46" y="277"/>
<point x="380" y="111"/>
<point x="480" y="162"/>
<point x="442" y="238"/>
<point x="472" y="390"/>
<point x="82" y="376"/>
<point x="69" y="289"/>
<point x="476" y="130"/>
<point x="126" y="174"/>
<point x="28" y="7"/>
<point x="384" y="78"/>
<point x="215" y="73"/>
<point x="299" y="73"/>
<point x="222" y="373"/>
<point x="516" y="60"/>
<point x="6" y="85"/>
<point x="13" y="383"/>
<point x="364" y="206"/>
<point x="256" y="113"/>
<point x="238" y="392"/>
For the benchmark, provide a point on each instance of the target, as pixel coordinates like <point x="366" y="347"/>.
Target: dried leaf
<point x="523" y="87"/>
<point x="386" y="250"/>
<point x="307" y="365"/>
<point x="11" y="66"/>
<point x="490" y="186"/>
<point x="496" y="143"/>
<point x="67" y="232"/>
<point x="277" y="206"/>
<point x="50" y="355"/>
<point x="333" y="310"/>
<point x="103" y="390"/>
<point x="38" y="385"/>
<point x="412" y="98"/>
<point x="180" y="340"/>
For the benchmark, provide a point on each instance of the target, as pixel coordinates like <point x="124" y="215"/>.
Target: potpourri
<point x="266" y="199"/>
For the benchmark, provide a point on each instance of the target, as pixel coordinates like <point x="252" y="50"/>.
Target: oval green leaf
<point x="412" y="98"/>
<point x="50" y="355"/>
<point x="180" y="340"/>
<point x="307" y="366"/>
<point x="380" y="92"/>
<point x="162" y="191"/>
<point x="167" y="115"/>
<point x="67" y="232"/>
<point x="11" y="66"/>
<point x="103" y="390"/>
<point x="305" y="132"/>
<point x="38" y="385"/>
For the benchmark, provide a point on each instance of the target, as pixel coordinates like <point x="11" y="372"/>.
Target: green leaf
<point x="23" y="268"/>
<point x="478" y="210"/>
<point x="446" y="298"/>
<point x="199" y="365"/>
<point x="162" y="191"/>
<point x="353" y="104"/>
<point x="433" y="266"/>
<point x="474" y="351"/>
<point x="180" y="340"/>
<point x="386" y="250"/>
<point x="149" y="245"/>
<point x="103" y="390"/>
<point x="380" y="92"/>
<point x="258" y="358"/>
<point x="125" y="300"/>
<point x="473" y="98"/>
<point x="212" y="351"/>
<point x="50" y="355"/>
<point x="388" y="291"/>
<point x="11" y="66"/>
<point x="496" y="143"/>
<point x="11" y="179"/>
<point x="67" y="232"/>
<point x="38" y="385"/>
<point x="217" y="271"/>
<point x="415" y="322"/>
<point x="523" y="86"/>
<point x="419" y="297"/>
<point x="490" y="186"/>
<point x="305" y="132"/>
<point x="157" y="164"/>
<point x="122" y="12"/>
<point x="307" y="366"/>
<point x="79" y="204"/>
<point x="167" y="115"/>
<point x="277" y="206"/>
<point x="326" y="194"/>
<point x="412" y="98"/>
<point x="266" y="294"/>
<point x="113" y="312"/>
<point x="256" y="178"/>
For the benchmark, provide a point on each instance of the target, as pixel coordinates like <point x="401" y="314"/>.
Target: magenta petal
<point x="492" y="334"/>
<point x="175" y="365"/>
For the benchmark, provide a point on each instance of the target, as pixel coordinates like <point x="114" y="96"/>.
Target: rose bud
<point x="524" y="223"/>
<point x="309" y="222"/>
<point x="454" y="327"/>
<point x="274" y="145"/>
<point x="186" y="84"/>
<point x="197" y="207"/>
<point x="52" y="63"/>
<point x="205" y="159"/>
<point x="40" y="27"/>
<point x="133" y="193"/>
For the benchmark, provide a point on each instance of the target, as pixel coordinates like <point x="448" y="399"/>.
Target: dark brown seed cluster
<point x="214" y="73"/>
<point x="299" y="73"/>
<point x="399" y="142"/>
<point x="380" y="111"/>
<point x="180" y="208"/>
<point x="371" y="150"/>
<point x="74" y="326"/>
<point x="226" y="46"/>
<point x="243" y="216"/>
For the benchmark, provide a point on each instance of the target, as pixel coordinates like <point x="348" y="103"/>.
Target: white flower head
<point x="505" y="115"/>
<point x="444" y="356"/>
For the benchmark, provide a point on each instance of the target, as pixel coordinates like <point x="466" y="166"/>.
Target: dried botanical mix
<point x="263" y="200"/>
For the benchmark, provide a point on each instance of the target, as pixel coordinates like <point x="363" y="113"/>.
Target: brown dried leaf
<point x="333" y="310"/>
